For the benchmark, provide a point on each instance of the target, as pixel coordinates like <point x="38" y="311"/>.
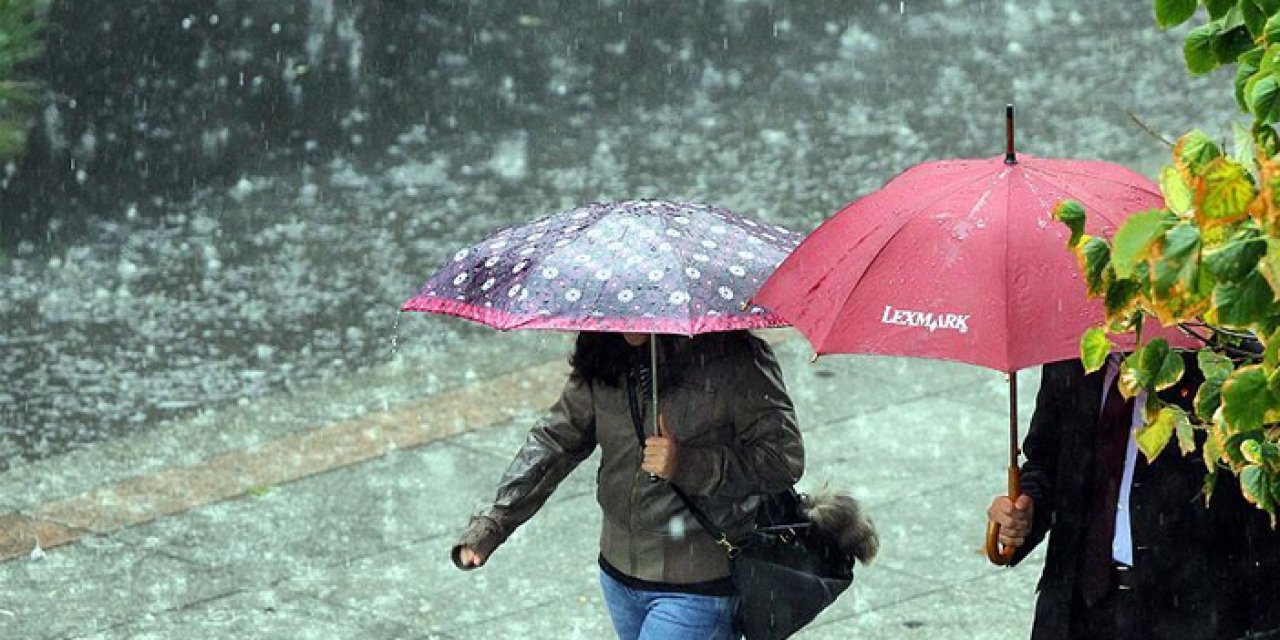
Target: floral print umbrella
<point x="643" y="266"/>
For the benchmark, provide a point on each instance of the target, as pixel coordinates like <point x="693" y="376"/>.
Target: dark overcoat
<point x="1199" y="573"/>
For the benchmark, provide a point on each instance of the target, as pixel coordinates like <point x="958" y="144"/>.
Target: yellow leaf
<point x="1154" y="436"/>
<point x="1222" y="194"/>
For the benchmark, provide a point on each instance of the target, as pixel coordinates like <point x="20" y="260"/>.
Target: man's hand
<point x="660" y="452"/>
<point x="1014" y="518"/>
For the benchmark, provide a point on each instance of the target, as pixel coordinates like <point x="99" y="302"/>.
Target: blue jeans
<point x="666" y="615"/>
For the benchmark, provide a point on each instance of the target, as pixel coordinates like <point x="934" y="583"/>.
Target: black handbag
<point x="785" y="573"/>
<point x="785" y="570"/>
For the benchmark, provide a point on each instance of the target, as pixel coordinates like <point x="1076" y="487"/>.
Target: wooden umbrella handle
<point x="997" y="553"/>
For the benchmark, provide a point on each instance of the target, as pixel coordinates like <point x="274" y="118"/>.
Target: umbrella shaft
<point x="1013" y="420"/>
<point x="653" y="369"/>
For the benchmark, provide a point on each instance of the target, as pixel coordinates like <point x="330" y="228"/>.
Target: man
<point x="1134" y="553"/>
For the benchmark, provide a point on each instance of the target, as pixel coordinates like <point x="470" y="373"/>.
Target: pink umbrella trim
<point x="756" y="318"/>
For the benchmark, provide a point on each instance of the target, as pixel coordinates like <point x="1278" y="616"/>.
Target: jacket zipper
<point x="632" y="555"/>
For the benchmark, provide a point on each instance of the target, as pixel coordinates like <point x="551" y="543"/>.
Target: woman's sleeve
<point x="553" y="448"/>
<point x="768" y="455"/>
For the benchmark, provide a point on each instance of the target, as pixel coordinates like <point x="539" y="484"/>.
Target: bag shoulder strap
<point x="698" y="515"/>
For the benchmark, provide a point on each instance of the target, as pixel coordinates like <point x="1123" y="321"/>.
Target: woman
<point x="727" y="434"/>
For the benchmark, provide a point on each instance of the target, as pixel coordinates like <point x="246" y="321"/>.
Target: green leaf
<point x="1219" y="8"/>
<point x="1197" y="49"/>
<point x="1213" y="365"/>
<point x="1261" y="452"/>
<point x="1254" y="19"/>
<point x="1174" y="263"/>
<point x="1234" y="260"/>
<point x="1231" y="43"/>
<point x="1161" y="366"/>
<point x="1177" y="195"/>
<point x="1121" y="296"/>
<point x="1256" y="487"/>
<point x="1269" y="265"/>
<point x="1155" y="435"/>
<point x="1094" y="349"/>
<point x="1273" y="382"/>
<point x="1246" y="68"/>
<point x="1246" y="400"/>
<point x="1130" y="380"/>
<point x="1193" y="151"/>
<point x="1071" y="213"/>
<point x="1263" y="98"/>
<point x="1171" y="13"/>
<point x="1240" y="304"/>
<point x="1271" y="31"/>
<point x="1154" y="367"/>
<point x="1132" y="239"/>
<point x="1252" y="451"/>
<point x="1097" y="257"/>
<point x="1271" y="354"/>
<point x="1213" y="443"/>
<point x="1266" y="138"/>
<point x="1179" y="288"/>
<point x="1185" y="432"/>
<point x="1208" y="398"/>
<point x="1242" y="148"/>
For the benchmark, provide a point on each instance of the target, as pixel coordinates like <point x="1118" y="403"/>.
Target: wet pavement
<point x="205" y="432"/>
<point x="266" y="521"/>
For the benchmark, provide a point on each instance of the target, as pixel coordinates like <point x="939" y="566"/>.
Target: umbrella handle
<point x="998" y="554"/>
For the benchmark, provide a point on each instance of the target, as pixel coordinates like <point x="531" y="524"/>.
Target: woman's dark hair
<point x="605" y="358"/>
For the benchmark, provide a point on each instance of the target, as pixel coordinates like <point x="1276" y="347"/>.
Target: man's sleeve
<point x="1041" y="448"/>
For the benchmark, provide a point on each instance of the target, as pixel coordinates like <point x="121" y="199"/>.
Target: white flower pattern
<point x="623" y="254"/>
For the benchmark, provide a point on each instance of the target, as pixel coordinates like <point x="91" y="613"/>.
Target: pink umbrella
<point x="960" y="260"/>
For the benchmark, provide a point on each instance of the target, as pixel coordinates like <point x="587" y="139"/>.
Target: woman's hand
<point x="660" y="452"/>
<point x="469" y="559"/>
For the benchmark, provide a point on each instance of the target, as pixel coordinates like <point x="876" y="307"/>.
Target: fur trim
<point x="838" y="515"/>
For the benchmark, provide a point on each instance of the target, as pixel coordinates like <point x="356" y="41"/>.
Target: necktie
<point x="1113" y="438"/>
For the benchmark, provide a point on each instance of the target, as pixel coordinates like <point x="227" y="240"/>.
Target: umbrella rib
<point x="1089" y="201"/>
<point x="684" y="279"/>
<point x="862" y="276"/>
<point x="1098" y="177"/>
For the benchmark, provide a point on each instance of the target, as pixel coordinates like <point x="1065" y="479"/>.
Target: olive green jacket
<point x="736" y="437"/>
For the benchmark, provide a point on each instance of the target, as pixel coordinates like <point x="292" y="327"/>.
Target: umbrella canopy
<point x="958" y="260"/>
<point x="643" y="266"/>
<point x="961" y="260"/>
